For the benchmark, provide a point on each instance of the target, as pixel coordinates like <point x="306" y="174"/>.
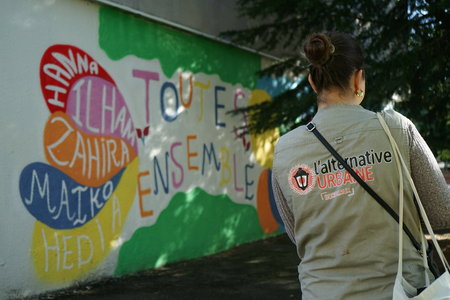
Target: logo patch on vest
<point x="302" y="179"/>
<point x="331" y="179"/>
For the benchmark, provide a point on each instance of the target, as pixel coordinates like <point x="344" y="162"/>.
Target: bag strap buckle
<point x="310" y="126"/>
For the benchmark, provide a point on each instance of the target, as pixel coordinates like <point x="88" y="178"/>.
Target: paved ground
<point x="260" y="270"/>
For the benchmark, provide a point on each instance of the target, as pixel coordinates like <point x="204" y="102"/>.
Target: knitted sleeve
<point x="283" y="208"/>
<point x="429" y="181"/>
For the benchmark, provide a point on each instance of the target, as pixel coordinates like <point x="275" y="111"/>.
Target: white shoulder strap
<point x="421" y="208"/>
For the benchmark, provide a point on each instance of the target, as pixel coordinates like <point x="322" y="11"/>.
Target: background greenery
<point x="407" y="52"/>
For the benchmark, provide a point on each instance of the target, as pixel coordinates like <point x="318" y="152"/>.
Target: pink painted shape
<point x="98" y="108"/>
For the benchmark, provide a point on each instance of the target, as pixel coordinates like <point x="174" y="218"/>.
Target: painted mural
<point x="141" y="164"/>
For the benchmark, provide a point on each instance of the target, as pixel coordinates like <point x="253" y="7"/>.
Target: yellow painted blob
<point x="65" y="255"/>
<point x="263" y="144"/>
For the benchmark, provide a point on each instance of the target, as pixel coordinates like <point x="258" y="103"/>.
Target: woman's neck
<point x="327" y="98"/>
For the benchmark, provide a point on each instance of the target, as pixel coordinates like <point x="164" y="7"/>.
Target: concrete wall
<point x="208" y="16"/>
<point x="118" y="153"/>
<point x="204" y="17"/>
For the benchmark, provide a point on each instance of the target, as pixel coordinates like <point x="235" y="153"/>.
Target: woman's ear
<point x="359" y="83"/>
<point x="312" y="83"/>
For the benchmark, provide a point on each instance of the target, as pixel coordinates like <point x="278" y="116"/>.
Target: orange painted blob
<point x="266" y="219"/>
<point x="89" y="159"/>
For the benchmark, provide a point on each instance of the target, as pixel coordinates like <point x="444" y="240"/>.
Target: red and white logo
<point x="302" y="179"/>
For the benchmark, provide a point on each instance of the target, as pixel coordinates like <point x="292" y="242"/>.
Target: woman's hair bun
<point x="318" y="49"/>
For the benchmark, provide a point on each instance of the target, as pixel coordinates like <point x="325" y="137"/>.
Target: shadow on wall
<point x="185" y="231"/>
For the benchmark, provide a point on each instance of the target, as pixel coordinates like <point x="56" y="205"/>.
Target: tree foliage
<point x="407" y="57"/>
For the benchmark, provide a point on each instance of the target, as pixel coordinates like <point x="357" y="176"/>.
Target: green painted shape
<point x="193" y="225"/>
<point x="122" y="34"/>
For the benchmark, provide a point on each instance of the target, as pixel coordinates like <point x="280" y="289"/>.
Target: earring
<point x="359" y="93"/>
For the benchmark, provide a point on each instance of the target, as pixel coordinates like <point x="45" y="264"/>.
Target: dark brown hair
<point x="334" y="57"/>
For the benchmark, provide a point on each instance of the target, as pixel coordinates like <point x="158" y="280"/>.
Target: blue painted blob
<point x="57" y="200"/>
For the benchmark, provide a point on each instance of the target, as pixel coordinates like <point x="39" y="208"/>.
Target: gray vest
<point x="347" y="243"/>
